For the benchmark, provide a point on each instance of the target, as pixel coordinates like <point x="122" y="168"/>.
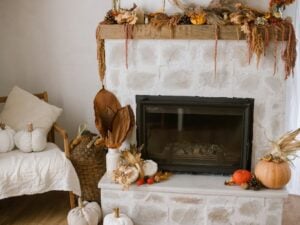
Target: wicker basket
<point x="90" y="166"/>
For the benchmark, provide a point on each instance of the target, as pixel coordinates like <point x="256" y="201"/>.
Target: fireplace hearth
<point x="196" y="134"/>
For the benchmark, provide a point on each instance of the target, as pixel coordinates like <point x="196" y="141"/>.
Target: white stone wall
<point x="182" y="67"/>
<point x="157" y="208"/>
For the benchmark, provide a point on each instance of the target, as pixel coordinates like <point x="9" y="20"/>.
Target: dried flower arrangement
<point x="256" y="25"/>
<point x="133" y="168"/>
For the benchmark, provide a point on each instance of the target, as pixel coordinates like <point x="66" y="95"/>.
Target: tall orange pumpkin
<point x="274" y="175"/>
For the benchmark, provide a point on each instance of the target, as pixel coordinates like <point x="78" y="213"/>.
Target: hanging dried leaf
<point x="290" y="53"/>
<point x="100" y="54"/>
<point x="105" y="106"/>
<point x="121" y="125"/>
<point x="256" y="43"/>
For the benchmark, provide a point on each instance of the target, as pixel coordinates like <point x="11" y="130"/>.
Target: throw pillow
<point x="22" y="107"/>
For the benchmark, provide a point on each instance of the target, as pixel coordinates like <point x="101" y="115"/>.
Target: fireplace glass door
<point x="196" y="135"/>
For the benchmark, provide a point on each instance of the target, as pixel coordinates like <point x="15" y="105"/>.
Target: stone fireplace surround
<point x="185" y="67"/>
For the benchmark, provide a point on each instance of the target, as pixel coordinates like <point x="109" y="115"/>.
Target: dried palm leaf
<point x="106" y="105"/>
<point x="122" y="123"/>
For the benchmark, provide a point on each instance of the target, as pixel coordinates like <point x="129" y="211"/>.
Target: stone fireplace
<point x="186" y="68"/>
<point x="196" y="134"/>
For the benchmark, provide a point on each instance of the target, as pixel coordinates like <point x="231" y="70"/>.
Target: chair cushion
<point x="23" y="107"/>
<point x="31" y="173"/>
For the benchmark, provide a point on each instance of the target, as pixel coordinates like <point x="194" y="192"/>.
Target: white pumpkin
<point x="150" y="168"/>
<point x="117" y="219"/>
<point x="31" y="140"/>
<point x="6" y="138"/>
<point x="87" y="213"/>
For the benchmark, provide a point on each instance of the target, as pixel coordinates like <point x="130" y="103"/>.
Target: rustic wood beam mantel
<point x="188" y="32"/>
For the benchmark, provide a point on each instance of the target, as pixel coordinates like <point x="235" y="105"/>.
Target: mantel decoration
<point x="258" y="28"/>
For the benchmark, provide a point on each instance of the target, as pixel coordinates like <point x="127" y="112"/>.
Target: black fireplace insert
<point x="196" y="134"/>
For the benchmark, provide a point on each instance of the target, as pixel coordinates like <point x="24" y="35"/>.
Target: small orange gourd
<point x="274" y="175"/>
<point x="241" y="176"/>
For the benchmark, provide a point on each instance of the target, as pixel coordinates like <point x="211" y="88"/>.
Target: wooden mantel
<point x="189" y="32"/>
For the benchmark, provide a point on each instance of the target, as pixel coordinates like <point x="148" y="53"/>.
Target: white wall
<point x="50" y="45"/>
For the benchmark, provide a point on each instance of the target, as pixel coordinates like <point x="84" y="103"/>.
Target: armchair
<point x="71" y="176"/>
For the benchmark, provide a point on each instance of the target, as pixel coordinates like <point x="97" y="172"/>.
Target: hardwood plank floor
<point x="43" y="209"/>
<point x="52" y="209"/>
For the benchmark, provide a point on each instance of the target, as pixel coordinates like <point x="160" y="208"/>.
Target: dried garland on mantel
<point x="254" y="24"/>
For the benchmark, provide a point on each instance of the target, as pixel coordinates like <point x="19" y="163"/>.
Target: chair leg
<point x="72" y="200"/>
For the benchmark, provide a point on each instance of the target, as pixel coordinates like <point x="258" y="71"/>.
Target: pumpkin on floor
<point x="87" y="213"/>
<point x="6" y="138"/>
<point x="117" y="219"/>
<point x="31" y="140"/>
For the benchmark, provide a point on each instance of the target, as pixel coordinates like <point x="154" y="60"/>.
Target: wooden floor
<point x="52" y="209"/>
<point x="44" y="209"/>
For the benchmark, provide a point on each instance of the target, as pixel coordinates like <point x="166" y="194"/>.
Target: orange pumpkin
<point x="273" y="174"/>
<point x="241" y="176"/>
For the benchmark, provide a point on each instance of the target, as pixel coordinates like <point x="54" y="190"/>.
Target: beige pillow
<point x="23" y="107"/>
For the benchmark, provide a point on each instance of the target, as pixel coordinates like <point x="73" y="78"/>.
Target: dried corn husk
<point x="133" y="157"/>
<point x="285" y="147"/>
<point x="214" y="19"/>
<point x="122" y="123"/>
<point x="105" y="106"/>
<point x="223" y="5"/>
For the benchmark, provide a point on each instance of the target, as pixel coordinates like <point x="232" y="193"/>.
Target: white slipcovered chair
<point x="38" y="172"/>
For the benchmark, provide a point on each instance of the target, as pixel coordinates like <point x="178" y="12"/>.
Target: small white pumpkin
<point x="87" y="213"/>
<point x="31" y="140"/>
<point x="150" y="168"/>
<point x="6" y="138"/>
<point x="117" y="219"/>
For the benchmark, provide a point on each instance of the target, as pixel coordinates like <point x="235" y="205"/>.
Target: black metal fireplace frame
<point x="247" y="104"/>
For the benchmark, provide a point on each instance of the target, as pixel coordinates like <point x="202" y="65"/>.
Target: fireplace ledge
<point x="196" y="184"/>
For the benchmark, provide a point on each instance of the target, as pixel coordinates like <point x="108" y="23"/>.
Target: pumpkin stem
<point x="117" y="212"/>
<point x="29" y="127"/>
<point x="80" y="203"/>
<point x="2" y="126"/>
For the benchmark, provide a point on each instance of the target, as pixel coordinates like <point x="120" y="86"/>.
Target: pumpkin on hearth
<point x="117" y="219"/>
<point x="273" y="170"/>
<point x="6" y="138"/>
<point x="87" y="213"/>
<point x="241" y="176"/>
<point x="273" y="174"/>
<point x="31" y="140"/>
